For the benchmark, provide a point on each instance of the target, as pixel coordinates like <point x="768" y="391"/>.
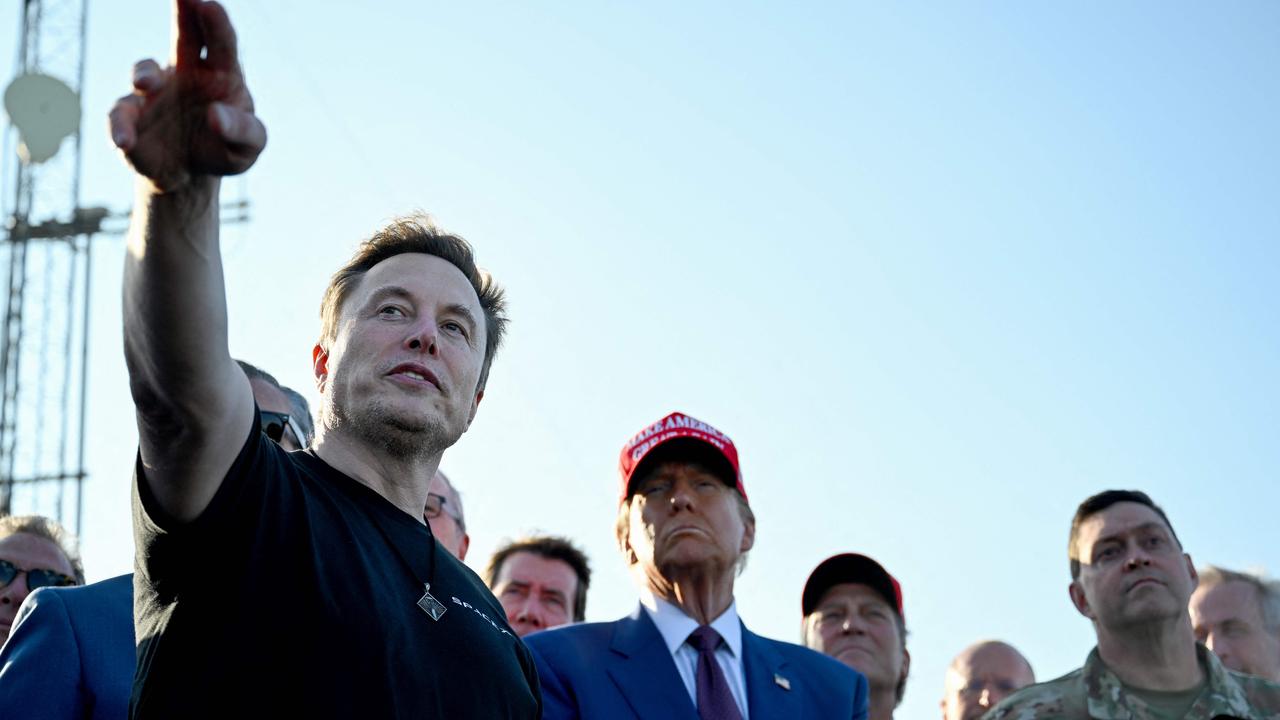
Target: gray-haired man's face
<point x="444" y="527"/>
<point x="1227" y="617"/>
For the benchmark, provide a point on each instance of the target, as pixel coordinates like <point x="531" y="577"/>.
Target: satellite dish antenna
<point x="45" y="110"/>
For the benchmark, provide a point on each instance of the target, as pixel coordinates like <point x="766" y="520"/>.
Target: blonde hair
<point x="50" y="530"/>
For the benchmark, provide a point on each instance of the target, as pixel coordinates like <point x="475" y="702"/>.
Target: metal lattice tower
<point x="44" y="329"/>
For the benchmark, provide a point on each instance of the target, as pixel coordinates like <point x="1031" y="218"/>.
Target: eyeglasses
<point x="274" y="424"/>
<point x="436" y="505"/>
<point x="36" y="577"/>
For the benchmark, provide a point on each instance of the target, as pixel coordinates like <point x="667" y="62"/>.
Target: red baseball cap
<point x="683" y="438"/>
<point x="850" y="568"/>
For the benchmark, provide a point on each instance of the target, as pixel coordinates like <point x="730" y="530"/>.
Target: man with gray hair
<point x="35" y="552"/>
<point x="684" y="524"/>
<point x="444" y="514"/>
<point x="1237" y="616"/>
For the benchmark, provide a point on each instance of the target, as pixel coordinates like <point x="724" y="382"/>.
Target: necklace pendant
<point x="431" y="606"/>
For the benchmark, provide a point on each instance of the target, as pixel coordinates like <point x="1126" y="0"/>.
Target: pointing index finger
<point x="188" y="36"/>
<point x="219" y="36"/>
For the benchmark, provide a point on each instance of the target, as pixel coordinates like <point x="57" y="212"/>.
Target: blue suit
<point x="71" y="654"/>
<point x="622" y="669"/>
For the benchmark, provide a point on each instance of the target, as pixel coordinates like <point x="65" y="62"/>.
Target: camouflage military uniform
<point x="1094" y="691"/>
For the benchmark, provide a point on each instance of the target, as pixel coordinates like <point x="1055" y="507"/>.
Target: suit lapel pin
<point x="782" y="682"/>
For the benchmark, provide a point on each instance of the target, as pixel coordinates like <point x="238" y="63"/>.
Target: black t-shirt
<point x="295" y="594"/>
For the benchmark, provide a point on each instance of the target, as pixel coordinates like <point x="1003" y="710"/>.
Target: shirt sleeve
<point x="40" y="663"/>
<point x="166" y="549"/>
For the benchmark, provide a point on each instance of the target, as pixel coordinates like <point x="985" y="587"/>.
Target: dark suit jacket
<point x="71" y="654"/>
<point x="623" y="669"/>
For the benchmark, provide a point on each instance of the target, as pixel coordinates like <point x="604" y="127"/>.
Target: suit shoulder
<point x="112" y="598"/>
<point x="111" y="588"/>
<point x="1062" y="697"/>
<point x="43" y="606"/>
<point x="571" y="637"/>
<point x="821" y="669"/>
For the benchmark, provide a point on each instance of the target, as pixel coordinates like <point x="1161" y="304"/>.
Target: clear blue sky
<point x="941" y="272"/>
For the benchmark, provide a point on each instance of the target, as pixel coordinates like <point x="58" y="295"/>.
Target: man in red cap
<point x="684" y="526"/>
<point x="853" y="612"/>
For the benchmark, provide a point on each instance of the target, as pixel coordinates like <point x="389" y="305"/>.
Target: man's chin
<point x="858" y="659"/>
<point x="404" y="432"/>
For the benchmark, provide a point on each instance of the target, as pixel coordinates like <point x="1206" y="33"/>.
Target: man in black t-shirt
<point x="304" y="584"/>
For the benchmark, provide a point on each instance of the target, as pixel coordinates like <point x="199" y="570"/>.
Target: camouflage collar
<point x="1108" y="698"/>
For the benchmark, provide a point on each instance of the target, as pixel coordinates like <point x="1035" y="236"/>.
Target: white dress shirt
<point x="675" y="627"/>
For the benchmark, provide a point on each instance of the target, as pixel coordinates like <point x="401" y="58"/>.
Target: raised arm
<point x="181" y="129"/>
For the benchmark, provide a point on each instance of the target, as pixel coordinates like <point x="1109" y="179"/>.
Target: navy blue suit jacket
<point x="71" y="654"/>
<point x="622" y="669"/>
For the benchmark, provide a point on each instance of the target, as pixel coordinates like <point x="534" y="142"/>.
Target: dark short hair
<point x="253" y="372"/>
<point x="550" y="547"/>
<point x="417" y="234"/>
<point x="300" y="412"/>
<point x="1097" y="504"/>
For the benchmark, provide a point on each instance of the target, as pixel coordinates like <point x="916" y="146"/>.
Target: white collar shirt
<point x="675" y="627"/>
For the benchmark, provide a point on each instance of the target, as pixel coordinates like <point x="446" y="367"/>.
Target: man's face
<point x="980" y="678"/>
<point x="1227" y="617"/>
<point x="444" y="527"/>
<point x="270" y="398"/>
<point x="1132" y="570"/>
<point x="682" y="519"/>
<point x="26" y="552"/>
<point x="855" y="625"/>
<point x="536" y="592"/>
<point x="404" y="368"/>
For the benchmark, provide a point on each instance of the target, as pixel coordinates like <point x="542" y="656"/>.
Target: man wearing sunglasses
<point x="285" y="416"/>
<point x="71" y="654"/>
<point x="329" y="596"/>
<point x="35" y="552"/>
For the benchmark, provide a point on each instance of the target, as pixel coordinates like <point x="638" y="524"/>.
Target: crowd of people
<point x="296" y="567"/>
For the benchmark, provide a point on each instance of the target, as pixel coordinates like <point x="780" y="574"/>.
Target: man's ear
<point x="1078" y="598"/>
<point x="462" y="546"/>
<point x="906" y="664"/>
<point x="624" y="539"/>
<point x="475" y="405"/>
<point x="1191" y="568"/>
<point x="320" y="366"/>
<point x="748" y="535"/>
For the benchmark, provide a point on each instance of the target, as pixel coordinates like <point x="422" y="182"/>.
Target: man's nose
<point x="681" y="497"/>
<point x="1137" y="558"/>
<point x="424" y="336"/>
<point x="529" y="613"/>
<point x="853" y="625"/>
<point x="986" y="699"/>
